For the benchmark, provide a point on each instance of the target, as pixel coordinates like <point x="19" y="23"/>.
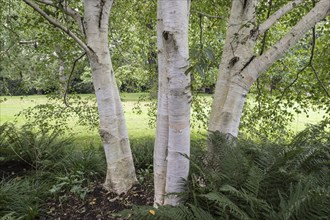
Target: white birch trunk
<point x="120" y="168"/>
<point x="229" y="96"/>
<point x="172" y="146"/>
<point x="239" y="65"/>
<point x="162" y="123"/>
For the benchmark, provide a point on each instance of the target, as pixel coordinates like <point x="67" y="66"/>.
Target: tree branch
<point x="263" y="62"/>
<point x="263" y="41"/>
<point x="46" y="2"/>
<point x="277" y="15"/>
<point x="67" y="10"/>
<point x="57" y="24"/>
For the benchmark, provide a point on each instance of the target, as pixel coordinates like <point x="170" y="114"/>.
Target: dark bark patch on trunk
<point x="105" y="135"/>
<point x="250" y="60"/>
<point x="254" y="33"/>
<point x="245" y="2"/>
<point x="170" y="41"/>
<point x="91" y="54"/>
<point x="165" y="35"/>
<point x="102" y="3"/>
<point x="233" y="61"/>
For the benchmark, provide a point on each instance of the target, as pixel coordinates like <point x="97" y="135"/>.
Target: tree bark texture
<point x="94" y="27"/>
<point x="120" y="168"/>
<point x="240" y="66"/>
<point x="172" y="145"/>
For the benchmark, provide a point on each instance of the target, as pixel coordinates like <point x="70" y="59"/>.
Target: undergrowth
<point x="53" y="166"/>
<point x="248" y="180"/>
<point x="245" y="180"/>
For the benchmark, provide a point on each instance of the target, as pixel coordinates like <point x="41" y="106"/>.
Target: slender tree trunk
<point x="240" y="67"/>
<point x="162" y="123"/>
<point x="61" y="71"/>
<point x="94" y="27"/>
<point x="172" y="146"/>
<point x="120" y="168"/>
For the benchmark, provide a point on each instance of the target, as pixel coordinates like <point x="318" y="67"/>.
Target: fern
<point x="246" y="180"/>
<point x="304" y="202"/>
<point x="223" y="206"/>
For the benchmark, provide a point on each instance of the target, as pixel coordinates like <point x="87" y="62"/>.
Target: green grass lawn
<point x="137" y="124"/>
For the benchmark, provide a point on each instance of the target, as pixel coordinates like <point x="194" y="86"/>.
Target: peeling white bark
<point x="240" y="67"/>
<point x="172" y="146"/>
<point x="229" y="96"/>
<point x="162" y="124"/>
<point x="120" y="168"/>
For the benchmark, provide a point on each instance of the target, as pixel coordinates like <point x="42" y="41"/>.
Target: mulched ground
<point x="98" y="203"/>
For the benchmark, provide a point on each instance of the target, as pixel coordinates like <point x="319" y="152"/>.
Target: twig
<point x="263" y="44"/>
<point x="286" y="88"/>
<point x="319" y="80"/>
<point x="311" y="62"/>
<point x="207" y="15"/>
<point x="69" y="80"/>
<point x="201" y="31"/>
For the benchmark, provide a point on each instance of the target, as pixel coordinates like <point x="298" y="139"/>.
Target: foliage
<point x="70" y="183"/>
<point x="166" y="212"/>
<point x="132" y="79"/>
<point x="55" y="114"/>
<point x="32" y="52"/>
<point x="20" y="199"/>
<point x="249" y="180"/>
<point x="38" y="150"/>
<point x="296" y="84"/>
<point x="142" y="150"/>
<point x="151" y="104"/>
<point x="57" y="169"/>
<point x="200" y="107"/>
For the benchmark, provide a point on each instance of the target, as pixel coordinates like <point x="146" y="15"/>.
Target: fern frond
<point x="304" y="202"/>
<point x="224" y="206"/>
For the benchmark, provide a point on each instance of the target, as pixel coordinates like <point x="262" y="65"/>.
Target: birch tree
<point x="240" y="66"/>
<point x="91" y="34"/>
<point x="172" y="145"/>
